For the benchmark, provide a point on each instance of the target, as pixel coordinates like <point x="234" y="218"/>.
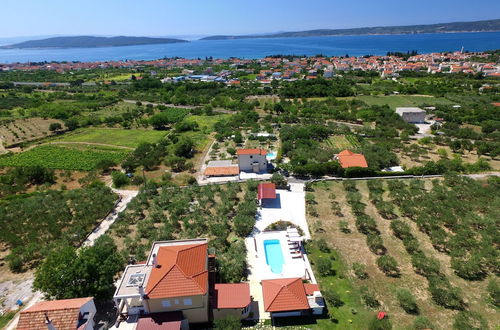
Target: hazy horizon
<point x="191" y="19"/>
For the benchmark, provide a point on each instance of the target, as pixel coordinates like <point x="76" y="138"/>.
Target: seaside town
<point x="291" y="68"/>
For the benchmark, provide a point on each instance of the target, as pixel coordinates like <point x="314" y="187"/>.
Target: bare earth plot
<point x="22" y="130"/>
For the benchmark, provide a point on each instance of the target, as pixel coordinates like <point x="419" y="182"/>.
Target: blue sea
<point x="261" y="47"/>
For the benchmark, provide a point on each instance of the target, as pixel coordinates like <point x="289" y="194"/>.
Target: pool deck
<point x="259" y="269"/>
<point x="288" y="206"/>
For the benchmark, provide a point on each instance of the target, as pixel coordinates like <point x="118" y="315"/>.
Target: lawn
<point x="395" y="101"/>
<point x="82" y="158"/>
<point x="118" y="137"/>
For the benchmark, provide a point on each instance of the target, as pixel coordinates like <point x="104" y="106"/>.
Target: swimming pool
<point x="274" y="255"/>
<point x="271" y="155"/>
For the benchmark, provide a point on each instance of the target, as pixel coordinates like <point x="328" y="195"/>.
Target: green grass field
<point x="341" y="142"/>
<point x="395" y="101"/>
<point x="118" y="137"/>
<point x="80" y="157"/>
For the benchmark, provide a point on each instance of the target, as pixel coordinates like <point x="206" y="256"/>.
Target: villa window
<point x="166" y="303"/>
<point x="188" y="302"/>
<point x="245" y="310"/>
<point x="176" y="301"/>
<point x="251" y="157"/>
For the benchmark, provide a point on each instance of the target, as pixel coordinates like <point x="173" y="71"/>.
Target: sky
<point x="209" y="17"/>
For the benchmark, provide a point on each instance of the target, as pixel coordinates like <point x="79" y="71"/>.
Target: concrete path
<point x="126" y="197"/>
<point x="288" y="206"/>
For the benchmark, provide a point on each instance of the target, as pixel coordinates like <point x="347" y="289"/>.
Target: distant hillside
<point x="478" y="26"/>
<point x="91" y="42"/>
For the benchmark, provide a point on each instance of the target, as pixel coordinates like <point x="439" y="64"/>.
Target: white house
<point x="412" y="115"/>
<point x="252" y="160"/>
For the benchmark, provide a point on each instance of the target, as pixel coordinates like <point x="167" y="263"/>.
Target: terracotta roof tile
<point x="266" y="190"/>
<point x="222" y="171"/>
<point x="235" y="295"/>
<point x="64" y="314"/>
<point x="261" y="152"/>
<point x="348" y="158"/>
<point x="182" y="271"/>
<point x="286" y="294"/>
<point x="310" y="288"/>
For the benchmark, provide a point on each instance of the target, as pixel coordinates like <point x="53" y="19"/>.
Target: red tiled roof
<point x="287" y="294"/>
<point x="235" y="295"/>
<point x="157" y="321"/>
<point x="348" y="158"/>
<point x="251" y="152"/>
<point x="222" y="170"/>
<point x="310" y="288"/>
<point x="64" y="314"/>
<point x="266" y="190"/>
<point x="496" y="104"/>
<point x="182" y="271"/>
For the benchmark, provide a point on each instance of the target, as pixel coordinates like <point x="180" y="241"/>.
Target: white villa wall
<point x="245" y="162"/>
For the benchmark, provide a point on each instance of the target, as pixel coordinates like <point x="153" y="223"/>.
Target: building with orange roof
<point x="66" y="314"/>
<point x="178" y="276"/>
<point x="348" y="159"/>
<point x="285" y="297"/>
<point x="231" y="299"/>
<point x="252" y="160"/>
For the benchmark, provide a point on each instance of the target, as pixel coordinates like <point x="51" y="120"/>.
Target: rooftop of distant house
<point x="348" y="159"/>
<point x="64" y="314"/>
<point x="251" y="152"/>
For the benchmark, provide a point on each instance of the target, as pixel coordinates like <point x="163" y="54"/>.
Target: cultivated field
<point x="23" y="130"/>
<point x="344" y="222"/>
<point x="118" y="137"/>
<point x="71" y="157"/>
<point x="395" y="101"/>
<point x="341" y="142"/>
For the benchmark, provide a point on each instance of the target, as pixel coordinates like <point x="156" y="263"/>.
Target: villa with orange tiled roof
<point x="177" y="285"/>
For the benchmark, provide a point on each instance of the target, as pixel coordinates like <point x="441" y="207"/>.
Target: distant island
<point x="477" y="26"/>
<point x="91" y="42"/>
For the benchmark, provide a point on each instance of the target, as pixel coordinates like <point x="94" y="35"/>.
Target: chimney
<point x="155" y="261"/>
<point x="49" y="324"/>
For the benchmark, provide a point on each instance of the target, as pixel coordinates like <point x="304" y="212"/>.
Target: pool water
<point x="274" y="255"/>
<point x="271" y="155"/>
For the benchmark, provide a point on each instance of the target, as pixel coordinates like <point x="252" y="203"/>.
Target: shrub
<point x="366" y="225"/>
<point x="425" y="266"/>
<point x="324" y="266"/>
<point x="376" y="324"/>
<point x="120" y="179"/>
<point x="407" y="301"/>
<point x="279" y="180"/>
<point x="332" y="298"/>
<point x="369" y="298"/>
<point x="243" y="224"/>
<point x="228" y="323"/>
<point x="444" y="294"/>
<point x="469" y="320"/>
<point x="359" y="271"/>
<point x="388" y="265"/>
<point x="421" y="323"/>
<point x="375" y="244"/>
<point x="344" y="227"/>
<point x="494" y="292"/>
<point x="323" y="245"/>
